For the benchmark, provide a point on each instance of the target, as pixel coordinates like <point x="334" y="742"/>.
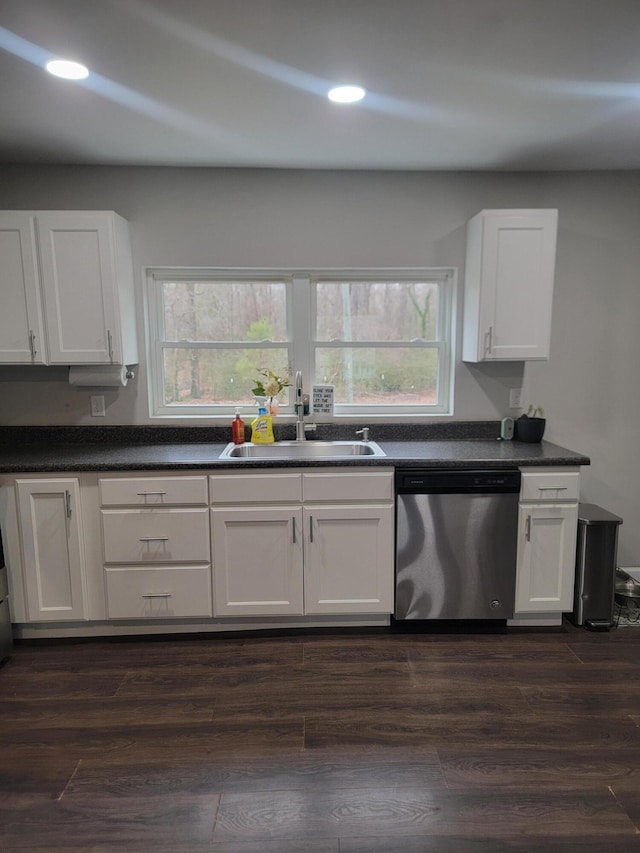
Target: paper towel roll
<point x="109" y="376"/>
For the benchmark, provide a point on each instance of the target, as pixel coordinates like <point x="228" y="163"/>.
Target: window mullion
<point x="224" y="345"/>
<point x="303" y="317"/>
<point x="415" y="344"/>
<point x="155" y="328"/>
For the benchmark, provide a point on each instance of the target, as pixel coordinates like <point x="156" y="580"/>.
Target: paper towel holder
<point x="100" y="376"/>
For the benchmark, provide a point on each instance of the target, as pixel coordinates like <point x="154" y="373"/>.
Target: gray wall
<point x="211" y="217"/>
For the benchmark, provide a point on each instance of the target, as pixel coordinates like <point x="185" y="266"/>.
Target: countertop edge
<point x="453" y="453"/>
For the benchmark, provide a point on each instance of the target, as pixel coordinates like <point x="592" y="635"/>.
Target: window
<point x="382" y="338"/>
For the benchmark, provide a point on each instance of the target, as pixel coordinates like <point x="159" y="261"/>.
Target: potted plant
<point x="267" y="389"/>
<point x="530" y="426"/>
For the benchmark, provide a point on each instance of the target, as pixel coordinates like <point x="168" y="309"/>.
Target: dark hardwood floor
<point x="369" y="742"/>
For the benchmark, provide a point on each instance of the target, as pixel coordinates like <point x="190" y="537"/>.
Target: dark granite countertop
<point x="52" y="450"/>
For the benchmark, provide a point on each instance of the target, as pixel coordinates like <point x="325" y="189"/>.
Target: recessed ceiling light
<point x="67" y="69"/>
<point x="346" y="94"/>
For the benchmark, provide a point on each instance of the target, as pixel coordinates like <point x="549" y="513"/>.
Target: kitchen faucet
<point x="298" y="407"/>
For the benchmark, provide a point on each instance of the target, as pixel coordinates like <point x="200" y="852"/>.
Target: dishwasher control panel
<point x="455" y="481"/>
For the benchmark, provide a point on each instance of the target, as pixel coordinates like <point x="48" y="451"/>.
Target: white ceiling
<point x="453" y="84"/>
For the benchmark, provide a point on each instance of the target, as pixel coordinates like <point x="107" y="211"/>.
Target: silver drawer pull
<point x="527" y="530"/>
<point x="156" y="595"/>
<point x="148" y="494"/>
<point x="552" y="488"/>
<point x="154" y="538"/>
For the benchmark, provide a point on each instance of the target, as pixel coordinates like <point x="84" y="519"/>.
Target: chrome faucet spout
<point x="298" y="407"/>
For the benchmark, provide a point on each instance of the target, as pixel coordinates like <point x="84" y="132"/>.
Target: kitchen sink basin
<point x="302" y="450"/>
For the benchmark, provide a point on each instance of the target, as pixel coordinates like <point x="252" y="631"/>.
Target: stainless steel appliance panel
<point x="456" y="552"/>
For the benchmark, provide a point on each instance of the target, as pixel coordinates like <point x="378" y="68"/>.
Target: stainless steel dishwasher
<point x="456" y="543"/>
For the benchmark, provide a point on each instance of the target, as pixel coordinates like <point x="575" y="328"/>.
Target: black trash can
<point x="596" y="555"/>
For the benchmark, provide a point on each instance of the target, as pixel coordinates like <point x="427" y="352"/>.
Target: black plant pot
<point x="529" y="429"/>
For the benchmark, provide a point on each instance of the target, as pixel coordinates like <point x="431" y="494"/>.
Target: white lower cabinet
<point x="547" y="533"/>
<point x="159" y="591"/>
<point x="330" y="552"/>
<point x="258" y="561"/>
<point x="50" y="527"/>
<point x="349" y="559"/>
<point x="277" y="543"/>
<point x="244" y="544"/>
<point x="156" y="547"/>
<point x="167" y="535"/>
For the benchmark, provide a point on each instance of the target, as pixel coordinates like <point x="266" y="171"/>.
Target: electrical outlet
<point x="515" y="398"/>
<point x="97" y="406"/>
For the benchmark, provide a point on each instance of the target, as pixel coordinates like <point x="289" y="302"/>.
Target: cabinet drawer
<point x="156" y="535"/>
<point x="153" y="491"/>
<point x="550" y="485"/>
<point x="337" y="486"/>
<point x="161" y="593"/>
<point x="253" y="488"/>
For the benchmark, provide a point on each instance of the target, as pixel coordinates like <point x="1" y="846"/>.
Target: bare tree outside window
<point x="390" y="325"/>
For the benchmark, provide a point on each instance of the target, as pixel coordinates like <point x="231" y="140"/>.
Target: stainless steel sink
<point x="302" y="450"/>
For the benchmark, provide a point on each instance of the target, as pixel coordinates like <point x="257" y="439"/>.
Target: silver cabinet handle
<point x="552" y="488"/>
<point x="527" y="529"/>
<point x="310" y="528"/>
<point x="156" y="595"/>
<point x="110" y="344"/>
<point x="293" y="521"/>
<point x="488" y="341"/>
<point x="148" y="494"/>
<point x="154" y="538"/>
<point x="67" y="502"/>
<point x="32" y="345"/>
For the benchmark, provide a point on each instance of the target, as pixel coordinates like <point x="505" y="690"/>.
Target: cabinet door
<point x="257" y="561"/>
<point x="348" y="559"/>
<point x="509" y="285"/>
<point x="78" y="265"/>
<point x="21" y="328"/>
<point x="546" y="557"/>
<point x="51" y="535"/>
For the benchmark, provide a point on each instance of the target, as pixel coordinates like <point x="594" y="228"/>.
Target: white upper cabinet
<point x="509" y="275"/>
<point x="21" y="327"/>
<point x="73" y="269"/>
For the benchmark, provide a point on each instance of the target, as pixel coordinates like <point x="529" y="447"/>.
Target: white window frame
<point x="301" y="342"/>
